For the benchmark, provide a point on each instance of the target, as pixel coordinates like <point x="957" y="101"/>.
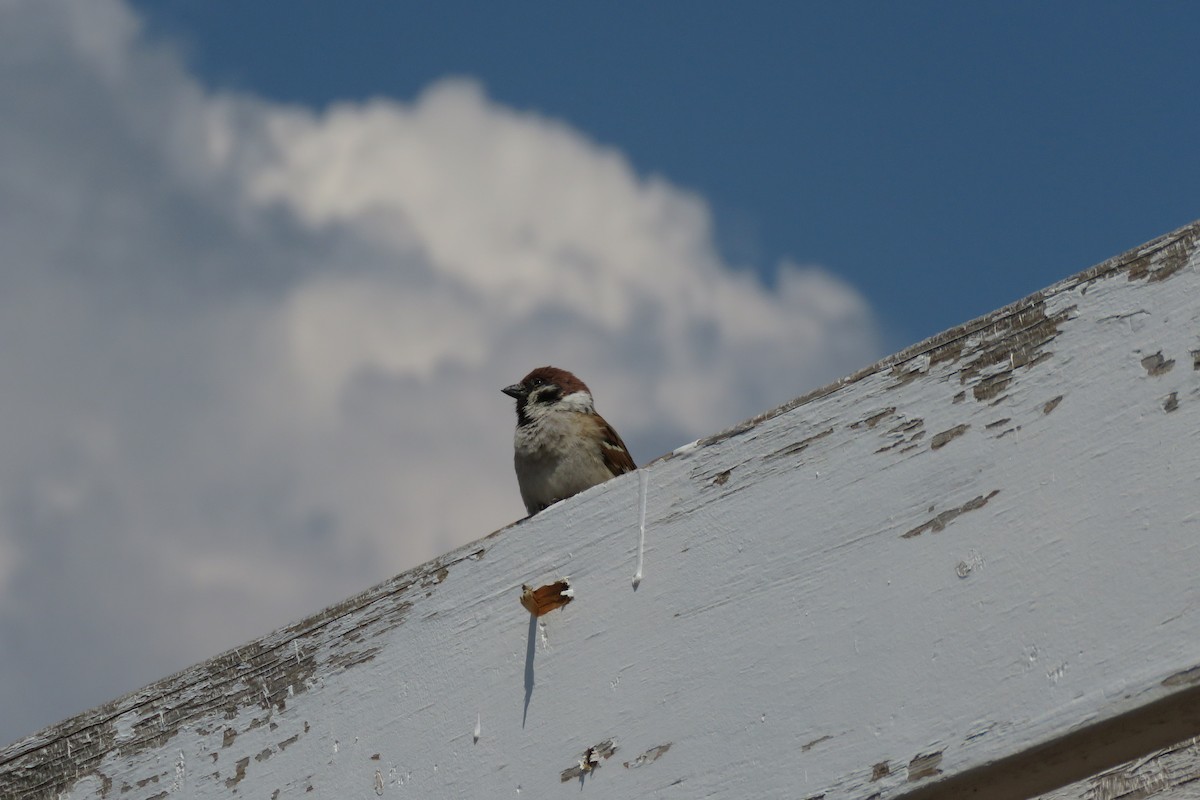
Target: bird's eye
<point x="547" y="393"/>
<point x="536" y="382"/>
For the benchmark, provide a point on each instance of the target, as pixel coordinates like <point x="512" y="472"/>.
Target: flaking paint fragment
<point x="545" y="599"/>
<point x="685" y="449"/>
<point x="940" y="440"/>
<point x="924" y="765"/>
<point x="1185" y="678"/>
<point x="989" y="387"/>
<point x="800" y="446"/>
<point x="874" y="419"/>
<point x="810" y="745"/>
<point x="939" y="523"/>
<point x="1156" y="365"/>
<point x="649" y="757"/>
<point x="241" y="765"/>
<point x="903" y="434"/>
<point x="905" y="376"/>
<point x="590" y="761"/>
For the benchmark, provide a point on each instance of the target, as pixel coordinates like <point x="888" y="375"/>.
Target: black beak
<point x="516" y="391"/>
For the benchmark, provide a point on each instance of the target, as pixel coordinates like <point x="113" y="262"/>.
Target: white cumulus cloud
<point x="252" y="352"/>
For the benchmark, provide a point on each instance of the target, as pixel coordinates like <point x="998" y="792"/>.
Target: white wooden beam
<point x="968" y="570"/>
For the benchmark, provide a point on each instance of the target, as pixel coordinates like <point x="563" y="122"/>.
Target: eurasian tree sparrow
<point x="562" y="446"/>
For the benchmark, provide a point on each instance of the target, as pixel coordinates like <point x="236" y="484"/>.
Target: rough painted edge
<point x="1136" y="262"/>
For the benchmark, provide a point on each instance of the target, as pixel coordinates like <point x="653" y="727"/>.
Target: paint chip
<point x="942" y="439"/>
<point x="810" y="745"/>
<point x="880" y="770"/>
<point x="1187" y="677"/>
<point x="874" y="419"/>
<point x="924" y="766"/>
<point x="546" y="598"/>
<point x="1156" y="365"/>
<point x="649" y="757"/>
<point x="590" y="761"/>
<point x="939" y="523"/>
<point x="240" y="773"/>
<point x="1051" y="404"/>
<point x="799" y="447"/>
<point x="1170" y="402"/>
<point x="992" y="385"/>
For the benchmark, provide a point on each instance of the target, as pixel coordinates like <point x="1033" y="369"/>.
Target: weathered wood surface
<point x="969" y="570"/>
<point x="1172" y="772"/>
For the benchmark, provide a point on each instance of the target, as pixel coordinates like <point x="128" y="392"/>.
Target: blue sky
<point x="266" y="265"/>
<point x="946" y="158"/>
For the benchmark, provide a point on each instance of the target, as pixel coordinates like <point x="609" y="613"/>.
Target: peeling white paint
<point x="916" y="613"/>
<point x="685" y="449"/>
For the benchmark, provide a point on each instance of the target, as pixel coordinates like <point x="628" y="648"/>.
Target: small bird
<point x="561" y="446"/>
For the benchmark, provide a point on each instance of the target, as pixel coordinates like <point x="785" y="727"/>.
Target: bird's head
<point x="548" y="389"/>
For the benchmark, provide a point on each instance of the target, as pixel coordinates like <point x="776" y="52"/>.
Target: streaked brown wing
<point x="613" y="451"/>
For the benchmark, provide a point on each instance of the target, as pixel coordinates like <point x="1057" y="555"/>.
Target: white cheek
<point x="577" y="401"/>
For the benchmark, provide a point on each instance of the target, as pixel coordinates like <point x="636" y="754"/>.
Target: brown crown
<point x="564" y="380"/>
